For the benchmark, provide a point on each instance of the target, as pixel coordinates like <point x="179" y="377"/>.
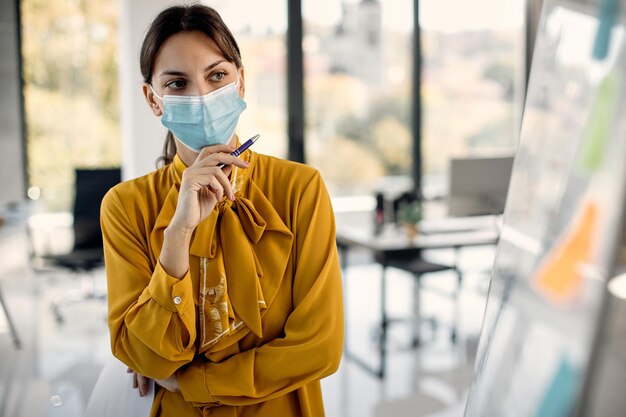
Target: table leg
<point x="384" y="322"/>
<point x="16" y="339"/>
<point x="417" y="318"/>
<point x="455" y="324"/>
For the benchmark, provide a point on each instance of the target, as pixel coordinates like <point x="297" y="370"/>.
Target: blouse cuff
<point x="193" y="386"/>
<point x="169" y="292"/>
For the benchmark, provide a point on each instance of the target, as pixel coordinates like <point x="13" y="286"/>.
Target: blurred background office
<point x="418" y="100"/>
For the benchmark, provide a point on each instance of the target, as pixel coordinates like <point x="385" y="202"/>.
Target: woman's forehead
<point x="189" y="49"/>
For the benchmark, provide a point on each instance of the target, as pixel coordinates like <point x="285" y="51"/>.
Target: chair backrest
<point x="91" y="186"/>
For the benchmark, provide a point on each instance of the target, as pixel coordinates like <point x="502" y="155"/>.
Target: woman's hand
<point x="170" y="384"/>
<point x="203" y="185"/>
<point x="143" y="383"/>
<point x="140" y="382"/>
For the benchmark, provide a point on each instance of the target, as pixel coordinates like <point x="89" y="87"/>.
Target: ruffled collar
<point x="255" y="242"/>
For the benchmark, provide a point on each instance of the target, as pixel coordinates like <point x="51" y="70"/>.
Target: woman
<point x="224" y="284"/>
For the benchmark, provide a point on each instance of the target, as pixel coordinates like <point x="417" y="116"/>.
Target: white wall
<point x="12" y="181"/>
<point x="142" y="133"/>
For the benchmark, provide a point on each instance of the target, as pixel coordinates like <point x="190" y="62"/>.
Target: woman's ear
<point x="242" y="83"/>
<point x="152" y="100"/>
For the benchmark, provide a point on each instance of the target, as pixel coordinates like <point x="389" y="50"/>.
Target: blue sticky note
<point x="608" y="14"/>
<point x="561" y="393"/>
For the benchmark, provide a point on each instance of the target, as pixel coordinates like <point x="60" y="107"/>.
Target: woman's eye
<point x="176" y="84"/>
<point x="218" y="76"/>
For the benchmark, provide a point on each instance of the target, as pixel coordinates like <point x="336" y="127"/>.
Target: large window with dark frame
<point x="358" y="61"/>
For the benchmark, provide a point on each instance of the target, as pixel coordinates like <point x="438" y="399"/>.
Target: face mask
<point x="199" y="121"/>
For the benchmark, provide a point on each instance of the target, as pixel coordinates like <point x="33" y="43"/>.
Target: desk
<point x="392" y="244"/>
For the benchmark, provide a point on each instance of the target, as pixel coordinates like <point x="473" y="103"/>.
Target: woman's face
<point x="191" y="64"/>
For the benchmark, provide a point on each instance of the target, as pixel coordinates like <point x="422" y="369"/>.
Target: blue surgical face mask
<point x="199" y="121"/>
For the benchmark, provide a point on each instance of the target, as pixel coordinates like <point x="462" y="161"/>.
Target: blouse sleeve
<point x="312" y="346"/>
<point x="151" y="314"/>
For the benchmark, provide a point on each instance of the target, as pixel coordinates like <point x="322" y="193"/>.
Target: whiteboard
<point x="562" y="221"/>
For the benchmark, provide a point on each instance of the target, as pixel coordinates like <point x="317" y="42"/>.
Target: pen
<point x="242" y="148"/>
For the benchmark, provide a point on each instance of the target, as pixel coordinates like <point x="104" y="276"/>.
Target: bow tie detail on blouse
<point x="255" y="247"/>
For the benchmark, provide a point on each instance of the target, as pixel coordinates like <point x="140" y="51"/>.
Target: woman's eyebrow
<point x="182" y="73"/>
<point x="213" y="65"/>
<point x="172" y="72"/>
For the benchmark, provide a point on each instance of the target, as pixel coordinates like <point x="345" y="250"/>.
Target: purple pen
<point x="242" y="148"/>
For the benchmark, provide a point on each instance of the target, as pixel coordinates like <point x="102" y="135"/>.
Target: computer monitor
<point x="478" y="185"/>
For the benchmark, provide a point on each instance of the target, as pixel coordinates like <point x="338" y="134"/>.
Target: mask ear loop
<point x="155" y="94"/>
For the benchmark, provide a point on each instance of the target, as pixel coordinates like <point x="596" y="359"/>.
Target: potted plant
<point x="410" y="214"/>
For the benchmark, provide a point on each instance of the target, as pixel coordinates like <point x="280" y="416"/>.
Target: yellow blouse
<point x="257" y="320"/>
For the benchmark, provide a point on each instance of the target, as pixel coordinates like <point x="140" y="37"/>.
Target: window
<point x="358" y="91"/>
<point x="69" y="51"/>
<point x="472" y="75"/>
<point x="358" y="62"/>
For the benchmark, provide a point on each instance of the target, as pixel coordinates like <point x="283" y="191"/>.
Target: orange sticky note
<point x="559" y="278"/>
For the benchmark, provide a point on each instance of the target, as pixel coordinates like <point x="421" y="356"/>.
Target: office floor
<point x="54" y="372"/>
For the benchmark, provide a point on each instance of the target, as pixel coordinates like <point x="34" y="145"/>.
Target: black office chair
<point x="87" y="253"/>
<point x="413" y="263"/>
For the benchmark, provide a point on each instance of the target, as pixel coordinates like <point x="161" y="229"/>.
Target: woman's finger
<point x="207" y="198"/>
<point x="227" y="170"/>
<point x="135" y="384"/>
<point x="143" y="385"/>
<point x="216" y="187"/>
<point x="204" y="174"/>
<point x="128" y="370"/>
<point x="212" y="177"/>
<point x="224" y="182"/>
<point x="209" y="150"/>
<point x="216" y="159"/>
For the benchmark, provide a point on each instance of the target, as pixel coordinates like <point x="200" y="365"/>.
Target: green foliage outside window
<point x="70" y="72"/>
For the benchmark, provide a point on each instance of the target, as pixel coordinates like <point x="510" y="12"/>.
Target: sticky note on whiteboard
<point x="559" y="278"/>
<point x="609" y="10"/>
<point x="560" y="395"/>
<point x="600" y="122"/>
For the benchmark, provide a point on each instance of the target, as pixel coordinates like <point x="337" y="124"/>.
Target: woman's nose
<point x="204" y="89"/>
<point x="203" y="86"/>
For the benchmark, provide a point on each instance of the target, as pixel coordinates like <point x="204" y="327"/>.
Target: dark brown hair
<point x="177" y="19"/>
